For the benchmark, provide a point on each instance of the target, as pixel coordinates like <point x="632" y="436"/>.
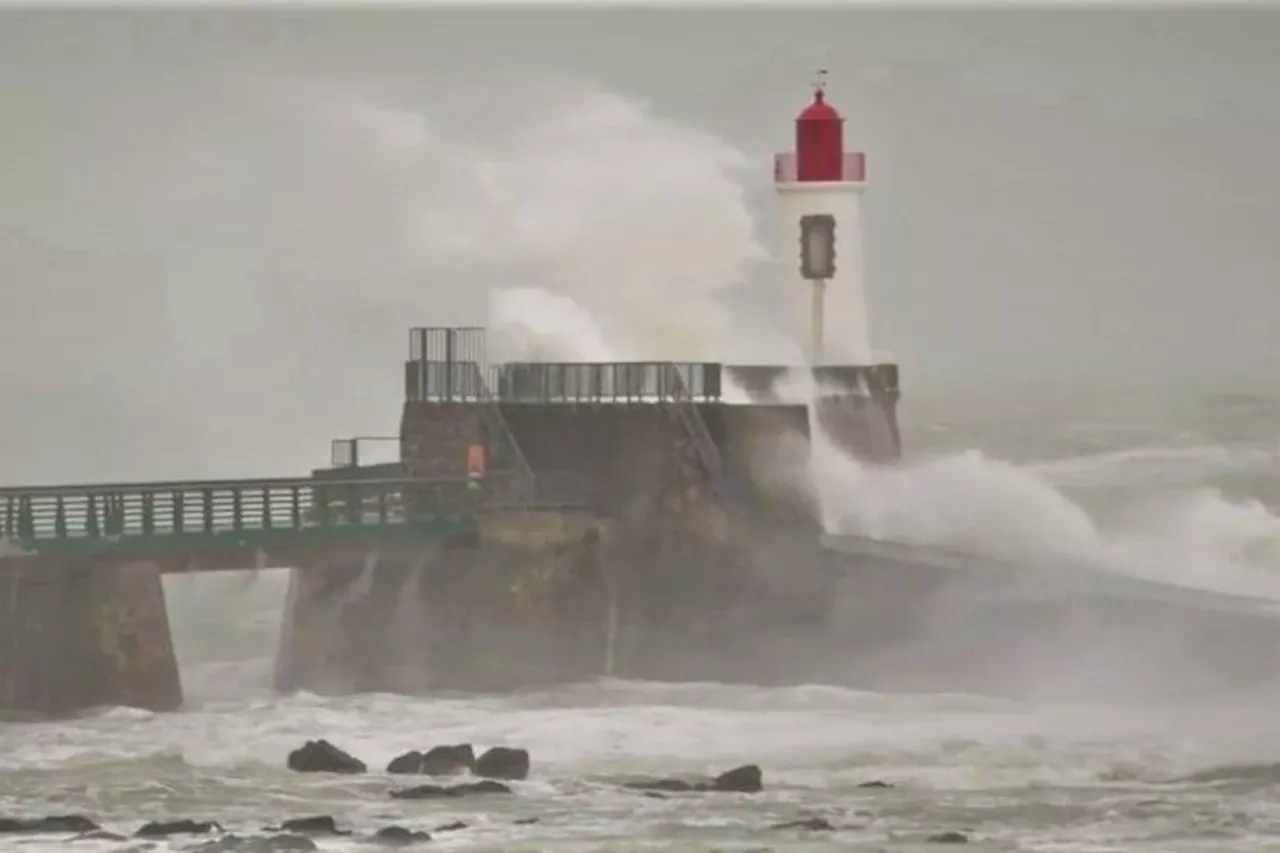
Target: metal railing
<point x="115" y="511"/>
<point x="853" y="168"/>
<point x="345" y="452"/>
<point x="555" y="382"/>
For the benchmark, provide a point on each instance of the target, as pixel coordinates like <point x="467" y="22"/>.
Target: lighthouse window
<point x="818" y="246"/>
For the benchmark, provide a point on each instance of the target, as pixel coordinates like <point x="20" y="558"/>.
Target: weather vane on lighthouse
<point x="820" y="81"/>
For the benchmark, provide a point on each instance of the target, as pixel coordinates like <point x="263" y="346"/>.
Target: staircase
<point x="503" y="447"/>
<point x="682" y="403"/>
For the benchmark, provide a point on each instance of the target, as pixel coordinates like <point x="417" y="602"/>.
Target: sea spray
<point x="968" y="501"/>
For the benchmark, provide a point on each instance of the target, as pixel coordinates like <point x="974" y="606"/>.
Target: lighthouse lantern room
<point x="819" y="185"/>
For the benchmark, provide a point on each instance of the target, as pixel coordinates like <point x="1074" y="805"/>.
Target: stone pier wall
<point x="524" y="604"/>
<point x="659" y="579"/>
<point x="76" y="634"/>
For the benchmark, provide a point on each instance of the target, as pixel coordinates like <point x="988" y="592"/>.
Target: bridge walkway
<point x="123" y="518"/>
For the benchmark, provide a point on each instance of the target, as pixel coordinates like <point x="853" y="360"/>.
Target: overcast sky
<point x="216" y="227"/>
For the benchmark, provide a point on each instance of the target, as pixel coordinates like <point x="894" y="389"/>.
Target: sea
<point x="1081" y="316"/>
<point x="1186" y="490"/>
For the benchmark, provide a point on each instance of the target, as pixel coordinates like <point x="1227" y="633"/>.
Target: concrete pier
<point x="81" y="633"/>
<point x="523" y="604"/>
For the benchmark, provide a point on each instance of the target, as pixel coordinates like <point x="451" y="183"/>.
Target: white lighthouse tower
<point x="819" y="187"/>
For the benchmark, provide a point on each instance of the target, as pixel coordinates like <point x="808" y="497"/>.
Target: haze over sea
<point x="216" y="226"/>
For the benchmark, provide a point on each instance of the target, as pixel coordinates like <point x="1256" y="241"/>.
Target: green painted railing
<point x="250" y="512"/>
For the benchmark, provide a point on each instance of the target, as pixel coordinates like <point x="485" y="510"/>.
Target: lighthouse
<point x="820" y="187"/>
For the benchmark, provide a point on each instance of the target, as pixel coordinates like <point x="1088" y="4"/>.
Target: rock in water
<point x="948" y="838"/>
<point x="459" y="758"/>
<point x="746" y="779"/>
<point x="437" y="761"/>
<point x="503" y="762"/>
<point x="315" y="825"/>
<point x="400" y="835"/>
<point x="54" y="823"/>
<point x="273" y="844"/>
<point x="409" y="763"/>
<point x="320" y="756"/>
<point x="164" y="828"/>
<point x="435" y="792"/>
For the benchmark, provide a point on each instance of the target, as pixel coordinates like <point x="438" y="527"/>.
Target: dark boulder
<point x="459" y="758"/>
<point x="451" y="827"/>
<point x="271" y="844"/>
<point x="409" y="763"/>
<point x="439" y="792"/>
<point x="71" y="824"/>
<point x="747" y="779"/>
<point x="163" y="828"/>
<point x="503" y="762"/>
<point x="526" y="821"/>
<point x="437" y="761"/>
<point x="875" y="783"/>
<point x="320" y="756"/>
<point x="813" y="824"/>
<point x="314" y="825"/>
<point x="399" y="835"/>
<point x="948" y="838"/>
<point x="100" y="835"/>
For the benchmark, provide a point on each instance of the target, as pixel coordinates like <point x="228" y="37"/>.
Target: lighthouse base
<point x="857" y="410"/>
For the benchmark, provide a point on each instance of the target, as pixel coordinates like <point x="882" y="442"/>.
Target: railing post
<point x="179" y="511"/>
<point x="355" y="509"/>
<point x="26" y="519"/>
<point x="266" y="507"/>
<point x="91" y="527"/>
<point x="60" y="518"/>
<point x="321" y="507"/>
<point x="148" y="513"/>
<point x="206" y="509"/>
<point x="296" y="495"/>
<point x="237" y="509"/>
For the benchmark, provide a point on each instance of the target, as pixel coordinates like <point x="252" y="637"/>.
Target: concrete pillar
<point x="77" y="634"/>
<point x="313" y="631"/>
<point x="355" y="623"/>
<point x="524" y="604"/>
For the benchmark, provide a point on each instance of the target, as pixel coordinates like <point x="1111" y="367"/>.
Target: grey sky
<point x="193" y="280"/>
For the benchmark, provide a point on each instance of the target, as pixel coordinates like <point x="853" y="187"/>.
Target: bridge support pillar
<point x="521" y="602"/>
<point x="349" y="622"/>
<point x="312" y="633"/>
<point x="83" y="633"/>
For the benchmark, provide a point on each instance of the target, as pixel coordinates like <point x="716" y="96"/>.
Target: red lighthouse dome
<point x="820" y="141"/>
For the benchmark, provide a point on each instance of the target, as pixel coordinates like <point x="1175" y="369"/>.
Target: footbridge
<point x="83" y="616"/>
<point x="230" y="524"/>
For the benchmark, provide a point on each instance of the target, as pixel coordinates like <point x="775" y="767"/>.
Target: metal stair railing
<point x="524" y="489"/>
<point x="681" y="400"/>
